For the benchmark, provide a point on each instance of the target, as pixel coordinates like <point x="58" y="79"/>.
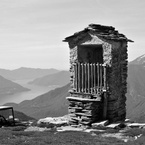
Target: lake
<point x="28" y="95"/>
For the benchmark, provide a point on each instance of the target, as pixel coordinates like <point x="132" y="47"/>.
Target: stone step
<point x="83" y="114"/>
<point x="83" y="99"/>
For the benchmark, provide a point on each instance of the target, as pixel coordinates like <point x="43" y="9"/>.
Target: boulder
<point x="50" y="122"/>
<point x="99" y="124"/>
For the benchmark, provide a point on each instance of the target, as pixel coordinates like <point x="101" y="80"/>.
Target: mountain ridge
<point x="136" y="89"/>
<point x="54" y="102"/>
<point x="8" y="87"/>
<point x="26" y="73"/>
<point x="139" y="60"/>
<point x="60" y="78"/>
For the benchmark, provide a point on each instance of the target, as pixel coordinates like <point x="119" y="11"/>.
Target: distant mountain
<point x="136" y="90"/>
<point x="26" y="73"/>
<point x="8" y="87"/>
<point x="139" y="60"/>
<point x="22" y="117"/>
<point x="61" y="78"/>
<point x="52" y="104"/>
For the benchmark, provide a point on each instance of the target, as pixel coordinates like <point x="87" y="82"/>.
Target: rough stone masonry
<point x="98" y="75"/>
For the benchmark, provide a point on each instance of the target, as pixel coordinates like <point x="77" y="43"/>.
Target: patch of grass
<point x="16" y="136"/>
<point x="15" y="128"/>
<point x="140" y="141"/>
<point x="10" y="136"/>
<point x="4" y="134"/>
<point x="134" y="132"/>
<point x="111" y="130"/>
<point x="100" y="127"/>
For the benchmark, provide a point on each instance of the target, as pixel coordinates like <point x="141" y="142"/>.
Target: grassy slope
<point x="13" y="136"/>
<point x="16" y="135"/>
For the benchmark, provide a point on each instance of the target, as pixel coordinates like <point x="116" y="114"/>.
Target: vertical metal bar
<point x="105" y="100"/>
<point x="88" y="78"/>
<point x="13" y="116"/>
<point x="76" y="77"/>
<point x="105" y="95"/>
<point x="85" y="65"/>
<point x="79" y="83"/>
<point x="98" y="78"/>
<point x="82" y="74"/>
<point x="105" y="86"/>
<point x="101" y="76"/>
<point x="94" y="77"/>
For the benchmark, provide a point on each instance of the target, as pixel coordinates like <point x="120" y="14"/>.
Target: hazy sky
<point x="31" y="31"/>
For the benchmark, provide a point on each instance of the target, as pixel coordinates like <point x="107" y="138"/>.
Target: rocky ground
<point x="125" y="131"/>
<point x="57" y="131"/>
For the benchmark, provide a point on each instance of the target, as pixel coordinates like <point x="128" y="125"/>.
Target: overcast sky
<point x="31" y="31"/>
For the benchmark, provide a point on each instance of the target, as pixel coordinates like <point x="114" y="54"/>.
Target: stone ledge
<point x="83" y="99"/>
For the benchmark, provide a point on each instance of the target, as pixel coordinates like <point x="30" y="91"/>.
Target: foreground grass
<point x="16" y="136"/>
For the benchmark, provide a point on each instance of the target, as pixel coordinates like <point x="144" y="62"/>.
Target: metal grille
<point x="89" y="78"/>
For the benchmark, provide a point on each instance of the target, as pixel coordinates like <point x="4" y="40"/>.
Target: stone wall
<point x="117" y="82"/>
<point x="73" y="59"/>
<point x="84" y="111"/>
<point x="115" y="56"/>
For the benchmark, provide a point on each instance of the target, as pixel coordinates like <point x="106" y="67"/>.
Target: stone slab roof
<point x="106" y="32"/>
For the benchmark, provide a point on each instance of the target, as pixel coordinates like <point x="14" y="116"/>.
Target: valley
<point x="27" y="95"/>
<point x="47" y="95"/>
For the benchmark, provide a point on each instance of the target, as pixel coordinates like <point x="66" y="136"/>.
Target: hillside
<point x="54" y="103"/>
<point x="26" y="73"/>
<point x="21" y="116"/>
<point x="51" y="104"/>
<point x="136" y="90"/>
<point x="139" y="60"/>
<point x="8" y="87"/>
<point x="61" y="78"/>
